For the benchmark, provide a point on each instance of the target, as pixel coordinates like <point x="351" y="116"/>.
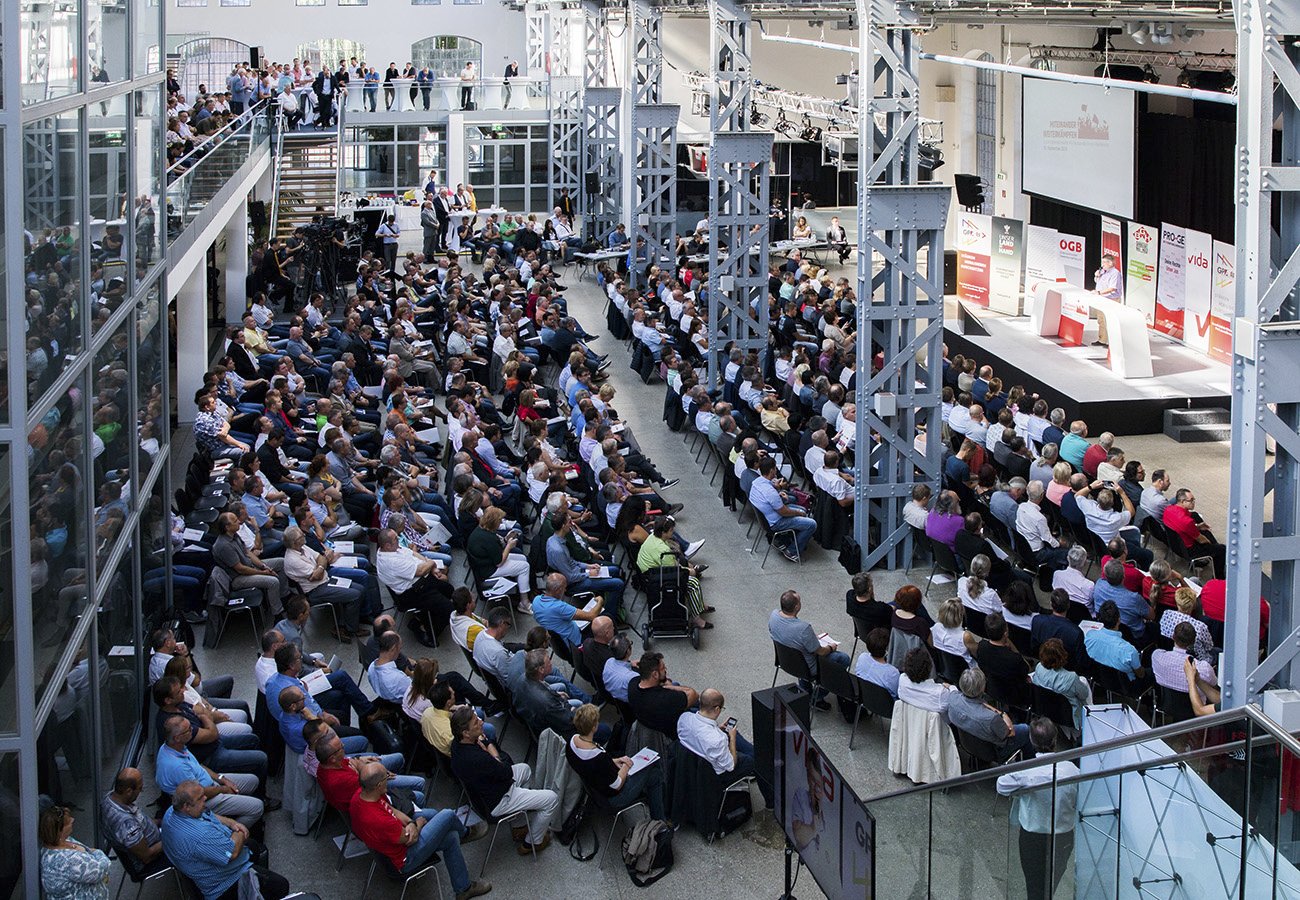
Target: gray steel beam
<point x="601" y="159"/>
<point x="739" y="177"/>
<point x="1263" y="550"/>
<point x="565" y="109"/>
<point x="900" y="306"/>
<point x="654" y="167"/>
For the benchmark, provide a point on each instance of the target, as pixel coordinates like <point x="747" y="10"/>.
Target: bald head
<point x="602" y="629"/>
<point x="374" y="778"/>
<point x="711" y="702"/>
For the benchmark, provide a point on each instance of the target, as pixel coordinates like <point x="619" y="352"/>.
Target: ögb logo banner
<point x="974" y="249"/>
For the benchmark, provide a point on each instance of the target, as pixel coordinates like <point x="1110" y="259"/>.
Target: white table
<point x="588" y="261"/>
<point x="1067" y="311"/>
<point x="1126" y="333"/>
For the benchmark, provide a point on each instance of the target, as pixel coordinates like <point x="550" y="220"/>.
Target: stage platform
<point x="1078" y="379"/>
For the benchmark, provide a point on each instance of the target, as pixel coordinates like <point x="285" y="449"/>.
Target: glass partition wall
<point x="83" y="437"/>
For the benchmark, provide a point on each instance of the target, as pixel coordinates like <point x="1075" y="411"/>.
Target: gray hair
<point x="1035" y="491"/>
<point x="971" y="683"/>
<point x="1077" y="558"/>
<point x="293" y="535"/>
<point x="534" y="662"/>
<point x="1017" y="484"/>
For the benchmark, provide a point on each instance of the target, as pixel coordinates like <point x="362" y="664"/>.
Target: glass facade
<point x="383" y="159"/>
<point x="83" y="439"/>
<point x="509" y="166"/>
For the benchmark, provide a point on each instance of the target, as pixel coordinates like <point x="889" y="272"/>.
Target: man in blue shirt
<point x="1107" y="647"/>
<point x="210" y="849"/>
<point x="558" y="615"/>
<point x="1075" y="444"/>
<point x="872" y="666"/>
<point x="228" y="794"/>
<point x="580" y="576"/>
<point x="1134" y="610"/>
<point x="771" y="504"/>
<point x="331" y="705"/>
<point x="294" y="714"/>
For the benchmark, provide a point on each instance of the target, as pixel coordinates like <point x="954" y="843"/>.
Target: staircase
<point x="306" y="180"/>
<point x="1196" y="426"/>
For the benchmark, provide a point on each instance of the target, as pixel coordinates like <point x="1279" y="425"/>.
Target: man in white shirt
<point x="1032" y="525"/>
<point x="814" y="459"/>
<point x="834" y="482"/>
<point x="1072" y="579"/>
<point x="978" y="429"/>
<point x="725" y="748"/>
<point x="490" y="654"/>
<point x="1046" y="812"/>
<point x="402" y="571"/>
<point x="386" y="678"/>
<point x="918" y="511"/>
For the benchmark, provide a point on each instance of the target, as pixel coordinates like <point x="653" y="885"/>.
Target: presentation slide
<point x="1077" y="145"/>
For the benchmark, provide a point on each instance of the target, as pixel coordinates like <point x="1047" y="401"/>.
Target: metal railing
<point x="1202" y="808"/>
<point x="206" y="173"/>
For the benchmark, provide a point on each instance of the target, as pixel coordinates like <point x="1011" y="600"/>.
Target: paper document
<point x="428" y="435"/>
<point x="341" y="582"/>
<point x="1088" y="625"/>
<point x="617" y="428"/>
<point x="346" y="562"/>
<point x="316" y="682"/>
<point x="591" y="605"/>
<point x="122" y="650"/>
<point x="422" y="481"/>
<point x="343" y="546"/>
<point x="570" y="474"/>
<point x="646" y="757"/>
<point x="336" y="664"/>
<point x="194" y="534"/>
<point x="374" y="390"/>
<point x="826" y="640"/>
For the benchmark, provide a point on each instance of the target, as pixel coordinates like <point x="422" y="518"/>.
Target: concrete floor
<point x="735" y="658"/>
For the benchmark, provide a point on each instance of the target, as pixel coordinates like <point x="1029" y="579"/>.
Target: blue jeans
<point x="803" y="529"/>
<point x="354" y="744"/>
<point x="343" y="697"/>
<point x="441" y="833"/>
<point x="835" y="656"/>
<point x="236" y="753"/>
<point x="368" y="586"/>
<point x="558" y="681"/>
<point x="647" y="785"/>
<point x="745" y="767"/>
<point x="609" y="588"/>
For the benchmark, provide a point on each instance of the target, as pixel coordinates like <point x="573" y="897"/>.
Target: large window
<point x="384" y="160"/>
<point x="208" y="61"/>
<point x="446" y="54"/>
<point x="986" y="125"/>
<point x="328" y="51"/>
<point x="509" y="166"/>
<point x="48" y="49"/>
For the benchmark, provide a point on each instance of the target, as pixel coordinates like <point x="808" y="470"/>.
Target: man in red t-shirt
<point x="1097" y="453"/>
<point x="1214" y="602"/>
<point x="339" y="776"/>
<point x="408" y="842"/>
<point x="1196" y="535"/>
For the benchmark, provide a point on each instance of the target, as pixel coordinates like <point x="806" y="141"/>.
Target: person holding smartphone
<point x="722" y="744"/>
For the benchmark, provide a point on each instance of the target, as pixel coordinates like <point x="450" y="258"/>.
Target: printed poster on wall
<point x="1223" y="301"/>
<point x="974" y="243"/>
<point x="1112" y="240"/>
<point x="1140" y="283"/>
<point x="1004" y="269"/>
<point x="1042" y="257"/>
<point x="1071" y="250"/>
<point x="1197" y="285"/>
<point x="1171" y="284"/>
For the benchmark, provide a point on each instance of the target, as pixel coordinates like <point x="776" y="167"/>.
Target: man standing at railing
<point x="238" y="85"/>
<point x="325" y="86"/>
<point x="1046" y="812"/>
<point x="512" y="71"/>
<point x="467" y="76"/>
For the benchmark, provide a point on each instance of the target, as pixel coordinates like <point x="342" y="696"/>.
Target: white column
<point x="236" y="235"/>
<point x="456" y="169"/>
<point x="191" y="338"/>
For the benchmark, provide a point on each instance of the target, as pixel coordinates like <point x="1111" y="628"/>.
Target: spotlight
<point x="928" y="158"/>
<point x="1140" y="33"/>
<point x="1149" y="75"/>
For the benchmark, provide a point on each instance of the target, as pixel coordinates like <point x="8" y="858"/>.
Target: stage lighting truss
<point x="841" y="115"/>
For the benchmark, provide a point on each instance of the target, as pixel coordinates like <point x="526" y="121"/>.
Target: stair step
<point x="1198" y="434"/>
<point x="1208" y="416"/>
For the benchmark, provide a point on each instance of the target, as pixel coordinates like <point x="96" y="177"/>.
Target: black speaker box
<point x="764" y="713"/>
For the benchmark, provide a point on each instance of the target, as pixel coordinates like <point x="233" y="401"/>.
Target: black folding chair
<point x="875" y="700"/>
<point x="945" y="561"/>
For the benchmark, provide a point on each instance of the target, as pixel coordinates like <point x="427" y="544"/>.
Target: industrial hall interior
<point x="640" y="448"/>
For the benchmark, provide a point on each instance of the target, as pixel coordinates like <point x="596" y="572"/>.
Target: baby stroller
<point x="666" y="601"/>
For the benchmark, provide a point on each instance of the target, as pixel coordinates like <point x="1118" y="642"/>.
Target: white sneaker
<point x="693" y="548"/>
<point x="525" y="607"/>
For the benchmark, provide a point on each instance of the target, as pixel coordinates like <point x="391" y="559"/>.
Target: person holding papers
<point x="618" y="781"/>
<point x="561" y="617"/>
<point x="310" y="571"/>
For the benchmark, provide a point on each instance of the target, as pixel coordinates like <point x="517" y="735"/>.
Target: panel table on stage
<point x="1072" y="314"/>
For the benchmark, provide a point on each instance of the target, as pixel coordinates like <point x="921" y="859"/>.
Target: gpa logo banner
<point x="974" y="251"/>
<point x="1223" y="301"/>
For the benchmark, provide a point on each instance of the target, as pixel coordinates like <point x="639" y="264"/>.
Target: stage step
<point x="1195" y="426"/>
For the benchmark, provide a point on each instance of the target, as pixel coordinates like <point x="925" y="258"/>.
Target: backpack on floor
<point x="737" y="809"/>
<point x="648" y="851"/>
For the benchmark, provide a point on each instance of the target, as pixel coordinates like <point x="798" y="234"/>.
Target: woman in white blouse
<point x="946" y="632"/>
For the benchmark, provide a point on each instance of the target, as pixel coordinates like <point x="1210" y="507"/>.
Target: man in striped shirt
<point x="213" y="851"/>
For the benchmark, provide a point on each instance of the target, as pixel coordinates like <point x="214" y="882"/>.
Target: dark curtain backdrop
<point x="1184" y="177"/>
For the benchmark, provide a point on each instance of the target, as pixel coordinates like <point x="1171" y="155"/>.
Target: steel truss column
<point x="600" y="115"/>
<point x="537" y="23"/>
<point x="564" y="107"/>
<point x="1262" y="554"/>
<point x="738" y="190"/>
<point x="654" y="167"/>
<point x="595" y="43"/>
<point x="730" y="78"/>
<point x="739" y="170"/>
<point x="900" y="307"/>
<point x="646" y="79"/>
